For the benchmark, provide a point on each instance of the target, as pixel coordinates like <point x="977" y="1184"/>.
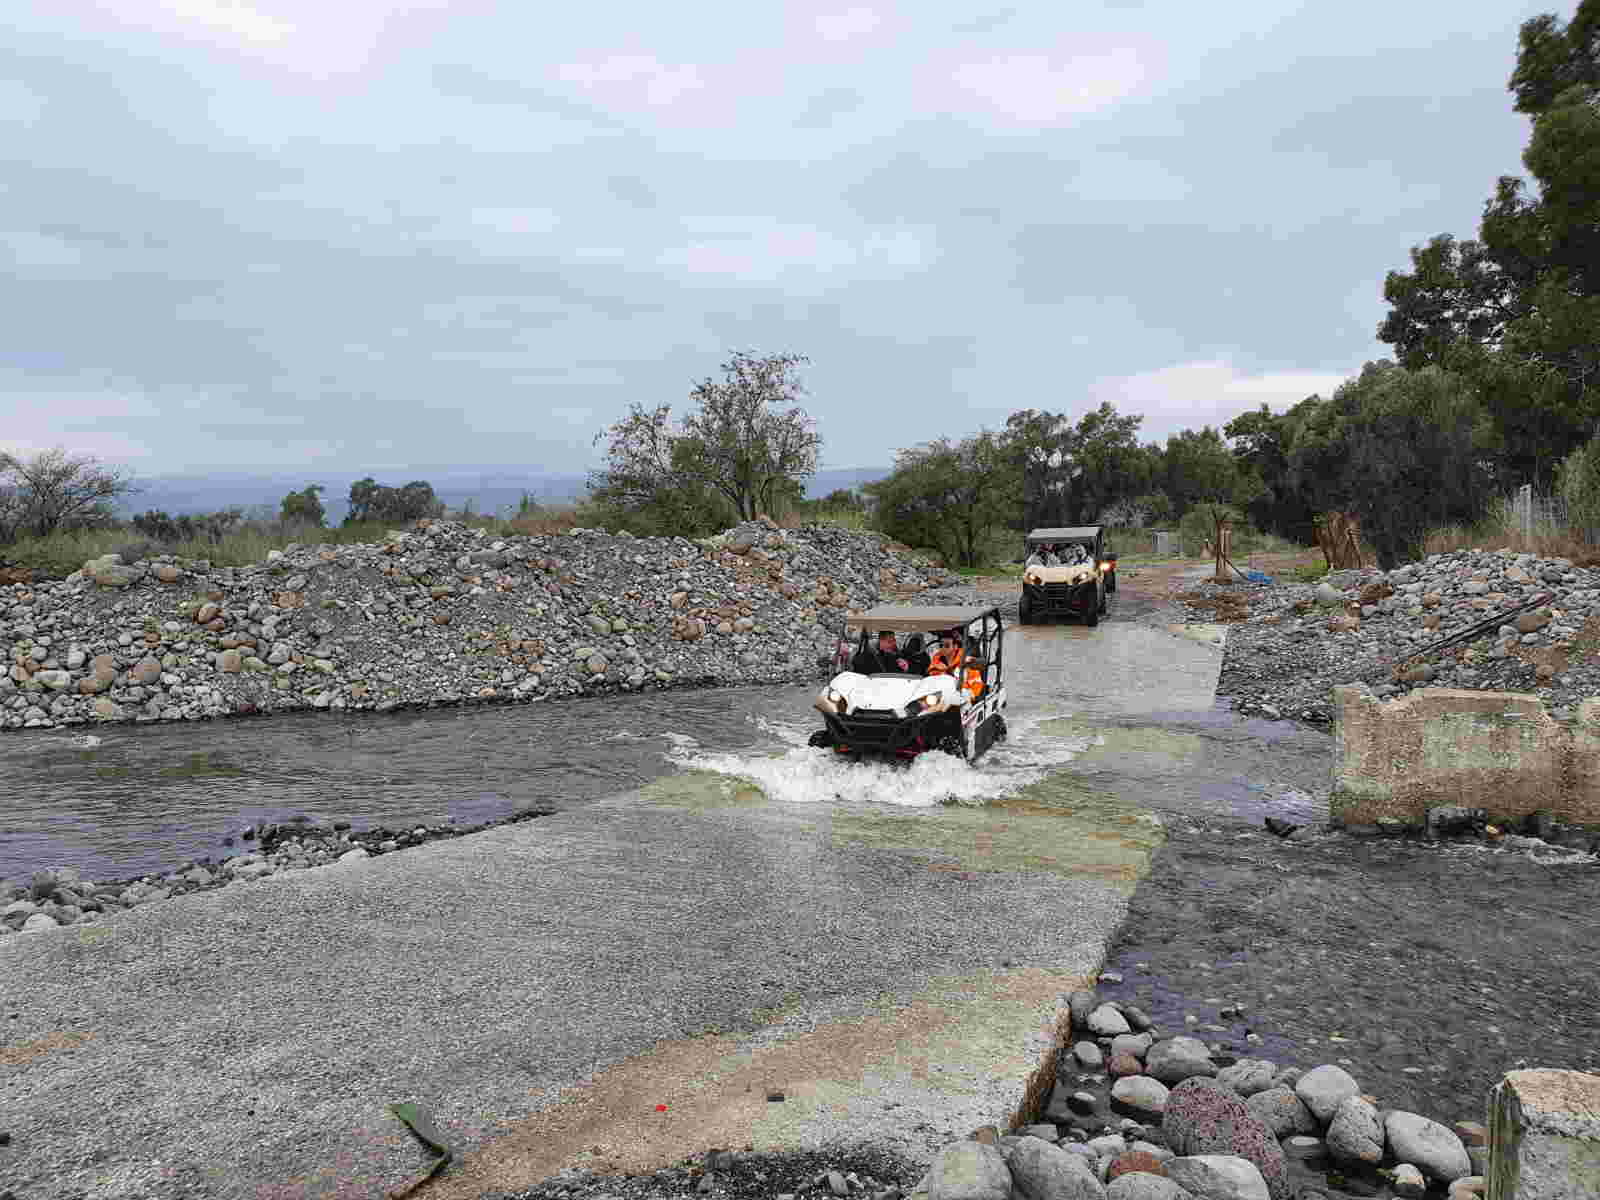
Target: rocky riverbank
<point x="62" y="896"/>
<point x="439" y="613"/>
<point x="1290" y="643"/>
<point x="1122" y="1112"/>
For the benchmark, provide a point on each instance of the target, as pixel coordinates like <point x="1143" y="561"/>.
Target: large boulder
<point x="1427" y="1145"/>
<point x="1324" y="1088"/>
<point x="1248" y="1076"/>
<point x="1108" y="1021"/>
<point x="1218" y="1177"/>
<point x="1179" y="1058"/>
<point x="1204" y="1118"/>
<point x="1143" y="1096"/>
<point x="1355" y="1135"/>
<point x="1041" y="1171"/>
<point x="1138" y="1185"/>
<point x="1281" y="1111"/>
<point x="969" y="1171"/>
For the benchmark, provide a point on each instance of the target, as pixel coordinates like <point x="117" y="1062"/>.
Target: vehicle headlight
<point x="834" y="697"/>
<point x="1105" y="566"/>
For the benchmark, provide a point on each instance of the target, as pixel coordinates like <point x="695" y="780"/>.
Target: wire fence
<point x="1534" y="515"/>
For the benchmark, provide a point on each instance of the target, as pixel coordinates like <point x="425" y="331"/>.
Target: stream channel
<point x="1105" y="715"/>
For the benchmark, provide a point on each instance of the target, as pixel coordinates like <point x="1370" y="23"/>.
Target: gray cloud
<point x="480" y="243"/>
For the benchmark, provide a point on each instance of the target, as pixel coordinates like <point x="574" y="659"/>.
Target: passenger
<point x="949" y="658"/>
<point x="1043" y="556"/>
<point x="1072" y="555"/>
<point x="917" y="660"/>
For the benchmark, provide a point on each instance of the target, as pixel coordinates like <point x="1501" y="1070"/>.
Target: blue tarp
<point x="1258" y="577"/>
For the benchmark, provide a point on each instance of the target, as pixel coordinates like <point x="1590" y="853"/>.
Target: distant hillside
<point x="491" y="489"/>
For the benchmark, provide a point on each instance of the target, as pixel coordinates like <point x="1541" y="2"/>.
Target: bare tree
<point x="55" y="490"/>
<point x="746" y="444"/>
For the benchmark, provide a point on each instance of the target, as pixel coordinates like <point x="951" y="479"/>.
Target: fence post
<point x="1524" y="508"/>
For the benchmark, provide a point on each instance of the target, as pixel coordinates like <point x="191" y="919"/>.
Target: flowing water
<point x="1121" y="713"/>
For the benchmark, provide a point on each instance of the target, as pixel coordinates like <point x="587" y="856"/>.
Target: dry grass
<point x="1501" y="530"/>
<point x="1228" y="607"/>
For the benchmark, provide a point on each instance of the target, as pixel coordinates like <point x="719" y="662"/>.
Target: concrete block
<point x="1446" y="748"/>
<point x="1544" y="1136"/>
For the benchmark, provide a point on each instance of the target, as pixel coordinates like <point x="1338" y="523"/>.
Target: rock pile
<point x="63" y="896"/>
<point x="1137" y="1116"/>
<point x="1300" y="640"/>
<point x="439" y="613"/>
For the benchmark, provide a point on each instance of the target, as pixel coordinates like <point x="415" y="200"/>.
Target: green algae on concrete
<point x="703" y="791"/>
<point x="1118" y="741"/>
<point x="1050" y="826"/>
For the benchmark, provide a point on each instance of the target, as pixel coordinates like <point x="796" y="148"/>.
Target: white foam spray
<point x="787" y="768"/>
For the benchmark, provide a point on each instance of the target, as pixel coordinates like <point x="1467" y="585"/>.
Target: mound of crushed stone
<point x="439" y="613"/>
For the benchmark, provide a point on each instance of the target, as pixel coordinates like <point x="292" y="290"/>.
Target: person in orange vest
<point x="948" y="660"/>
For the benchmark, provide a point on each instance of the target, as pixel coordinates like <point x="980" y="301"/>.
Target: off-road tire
<point x="952" y="744"/>
<point x="999" y="730"/>
<point x="822" y="738"/>
<point x="1111" y="582"/>
<point x="1092" y="618"/>
<point x="1024" y="612"/>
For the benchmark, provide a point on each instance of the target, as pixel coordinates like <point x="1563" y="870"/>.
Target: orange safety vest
<point x="971" y="679"/>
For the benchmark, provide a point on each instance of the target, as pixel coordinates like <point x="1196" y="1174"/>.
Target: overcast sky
<point x="366" y="234"/>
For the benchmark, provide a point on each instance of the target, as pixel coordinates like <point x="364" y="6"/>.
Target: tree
<point x="54" y="490"/>
<point x="650" y="487"/>
<point x="740" y="449"/>
<point x="1262" y="441"/>
<point x="1401" y="450"/>
<point x="1517" y="312"/>
<point x="1038" y="448"/>
<point x="304" y="507"/>
<point x="744" y="442"/>
<point x="943" y="494"/>
<point x="1066" y="474"/>
<point x="1199" y="467"/>
<point x="372" y="501"/>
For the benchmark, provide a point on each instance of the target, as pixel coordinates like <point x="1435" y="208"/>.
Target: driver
<point x="1072" y="555"/>
<point x="889" y="653"/>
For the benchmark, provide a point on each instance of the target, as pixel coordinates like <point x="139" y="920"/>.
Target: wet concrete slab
<point x="543" y="988"/>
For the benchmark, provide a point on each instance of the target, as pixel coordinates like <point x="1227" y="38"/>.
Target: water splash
<point x="796" y="772"/>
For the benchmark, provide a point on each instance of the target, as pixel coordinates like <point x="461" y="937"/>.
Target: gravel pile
<point x="1289" y="644"/>
<point x="437" y="614"/>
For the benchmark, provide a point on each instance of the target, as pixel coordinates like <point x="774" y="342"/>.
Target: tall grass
<point x="1547" y="535"/>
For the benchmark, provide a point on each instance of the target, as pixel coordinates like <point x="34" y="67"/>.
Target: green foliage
<point x="304" y="507"/>
<point x="1517" y="311"/>
<point x="1201" y="468"/>
<point x="1261" y="442"/>
<point x="371" y="501"/>
<point x="1067" y="474"/>
<point x="739" y="453"/>
<point x="1578" y="480"/>
<point x="946" y="495"/>
<point x="1401" y="449"/>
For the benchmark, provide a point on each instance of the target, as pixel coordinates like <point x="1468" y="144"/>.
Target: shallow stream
<point x="1121" y="713"/>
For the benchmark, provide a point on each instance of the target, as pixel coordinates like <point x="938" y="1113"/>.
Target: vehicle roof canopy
<point x="906" y="618"/>
<point x="1076" y="533"/>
